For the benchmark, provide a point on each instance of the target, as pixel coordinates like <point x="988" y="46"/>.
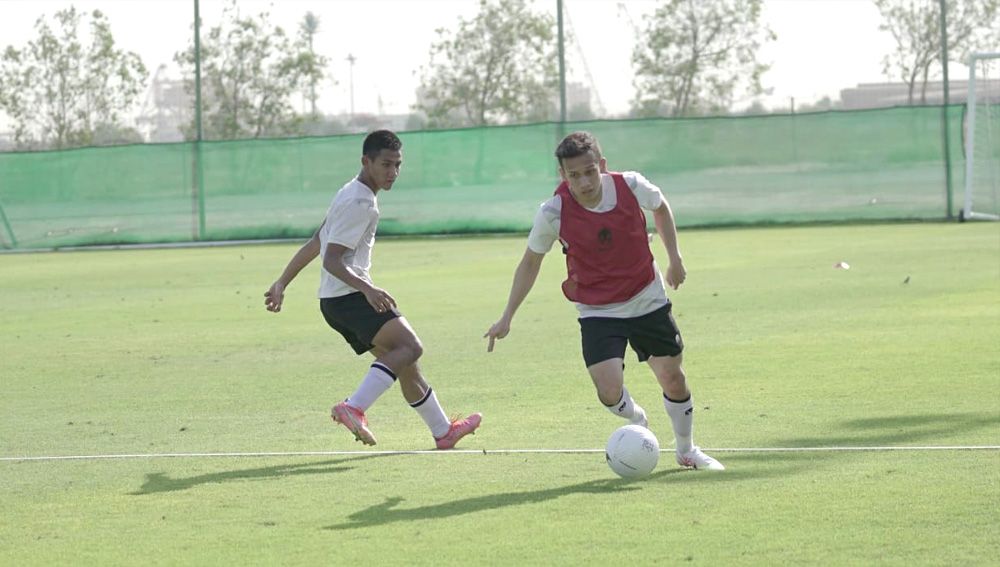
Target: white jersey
<point x="351" y="221"/>
<point x="545" y="232"/>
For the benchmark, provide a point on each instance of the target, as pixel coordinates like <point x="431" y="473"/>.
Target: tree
<point x="696" y="53"/>
<point x="756" y="108"/>
<point x="308" y="29"/>
<point x="250" y="70"/>
<point x="915" y="25"/>
<point x="498" y="67"/>
<point x="60" y="92"/>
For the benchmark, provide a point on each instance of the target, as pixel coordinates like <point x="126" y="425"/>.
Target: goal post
<point x="982" y="139"/>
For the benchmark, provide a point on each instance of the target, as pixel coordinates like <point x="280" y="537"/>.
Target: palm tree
<point x="310" y="27"/>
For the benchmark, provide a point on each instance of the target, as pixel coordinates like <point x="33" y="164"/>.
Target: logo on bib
<point x="604" y="238"/>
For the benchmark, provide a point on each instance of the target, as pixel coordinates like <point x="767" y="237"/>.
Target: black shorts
<point x="352" y="316"/>
<point x="652" y="334"/>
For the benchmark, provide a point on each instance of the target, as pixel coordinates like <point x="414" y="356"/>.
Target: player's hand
<point x="499" y="330"/>
<point x="379" y="299"/>
<point x="274" y="296"/>
<point x="676" y="274"/>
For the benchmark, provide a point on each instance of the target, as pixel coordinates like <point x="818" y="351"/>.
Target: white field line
<point x="481" y="452"/>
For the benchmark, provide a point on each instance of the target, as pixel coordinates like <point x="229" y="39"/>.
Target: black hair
<point x="577" y="144"/>
<point x="380" y="140"/>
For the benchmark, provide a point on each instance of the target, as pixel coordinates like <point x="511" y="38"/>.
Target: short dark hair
<point x="577" y="144"/>
<point x="380" y="140"/>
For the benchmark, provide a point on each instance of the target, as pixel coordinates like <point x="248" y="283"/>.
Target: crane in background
<point x="598" y="105"/>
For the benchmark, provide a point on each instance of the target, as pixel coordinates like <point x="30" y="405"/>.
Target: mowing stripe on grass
<point x="482" y="452"/>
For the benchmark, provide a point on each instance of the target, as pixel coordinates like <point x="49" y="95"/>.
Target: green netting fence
<point x="833" y="166"/>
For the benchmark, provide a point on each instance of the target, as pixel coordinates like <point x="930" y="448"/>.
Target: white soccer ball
<point x="632" y="451"/>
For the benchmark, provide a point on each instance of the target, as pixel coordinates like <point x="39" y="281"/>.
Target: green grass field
<point x="170" y="352"/>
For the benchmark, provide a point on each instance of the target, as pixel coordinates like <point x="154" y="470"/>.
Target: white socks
<point x="432" y="414"/>
<point x="625" y="407"/>
<point x="375" y="383"/>
<point x="682" y="417"/>
<point x="379" y="379"/>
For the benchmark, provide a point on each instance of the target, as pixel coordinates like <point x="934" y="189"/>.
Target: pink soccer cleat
<point x="459" y="428"/>
<point x="354" y="420"/>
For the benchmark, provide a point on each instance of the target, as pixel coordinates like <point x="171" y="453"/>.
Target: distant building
<point x="881" y="95"/>
<point x="578" y="102"/>
<point x="167" y="110"/>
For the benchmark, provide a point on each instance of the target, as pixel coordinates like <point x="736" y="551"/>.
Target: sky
<point x="822" y="46"/>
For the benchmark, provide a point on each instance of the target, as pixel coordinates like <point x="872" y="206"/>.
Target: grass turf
<point x="167" y="351"/>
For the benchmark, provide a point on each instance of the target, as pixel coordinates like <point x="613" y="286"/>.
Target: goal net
<point x="982" y="139"/>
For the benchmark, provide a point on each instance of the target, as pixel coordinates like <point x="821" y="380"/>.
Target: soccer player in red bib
<point x="363" y="313"/>
<point x="614" y="282"/>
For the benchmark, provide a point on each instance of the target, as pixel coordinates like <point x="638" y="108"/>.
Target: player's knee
<point x="609" y="394"/>
<point x="414" y="349"/>
<point x="676" y="376"/>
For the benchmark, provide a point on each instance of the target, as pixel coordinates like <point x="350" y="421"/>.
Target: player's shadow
<point x="764" y="466"/>
<point x="160" y="482"/>
<point x="388" y="512"/>
<point x="899" y="430"/>
<point x="740" y="467"/>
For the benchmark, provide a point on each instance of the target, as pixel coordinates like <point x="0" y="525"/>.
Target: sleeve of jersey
<point x="544" y="231"/>
<point x="649" y="196"/>
<point x="346" y="224"/>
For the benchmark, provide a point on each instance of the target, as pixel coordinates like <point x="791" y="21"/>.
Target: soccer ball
<point x="632" y="451"/>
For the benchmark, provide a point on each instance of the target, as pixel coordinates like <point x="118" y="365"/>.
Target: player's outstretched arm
<point x="275" y="295"/>
<point x="524" y="278"/>
<point x="663" y="217"/>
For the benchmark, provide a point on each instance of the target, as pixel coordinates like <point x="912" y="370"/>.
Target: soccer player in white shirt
<point x="365" y="314"/>
<point x="614" y="282"/>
